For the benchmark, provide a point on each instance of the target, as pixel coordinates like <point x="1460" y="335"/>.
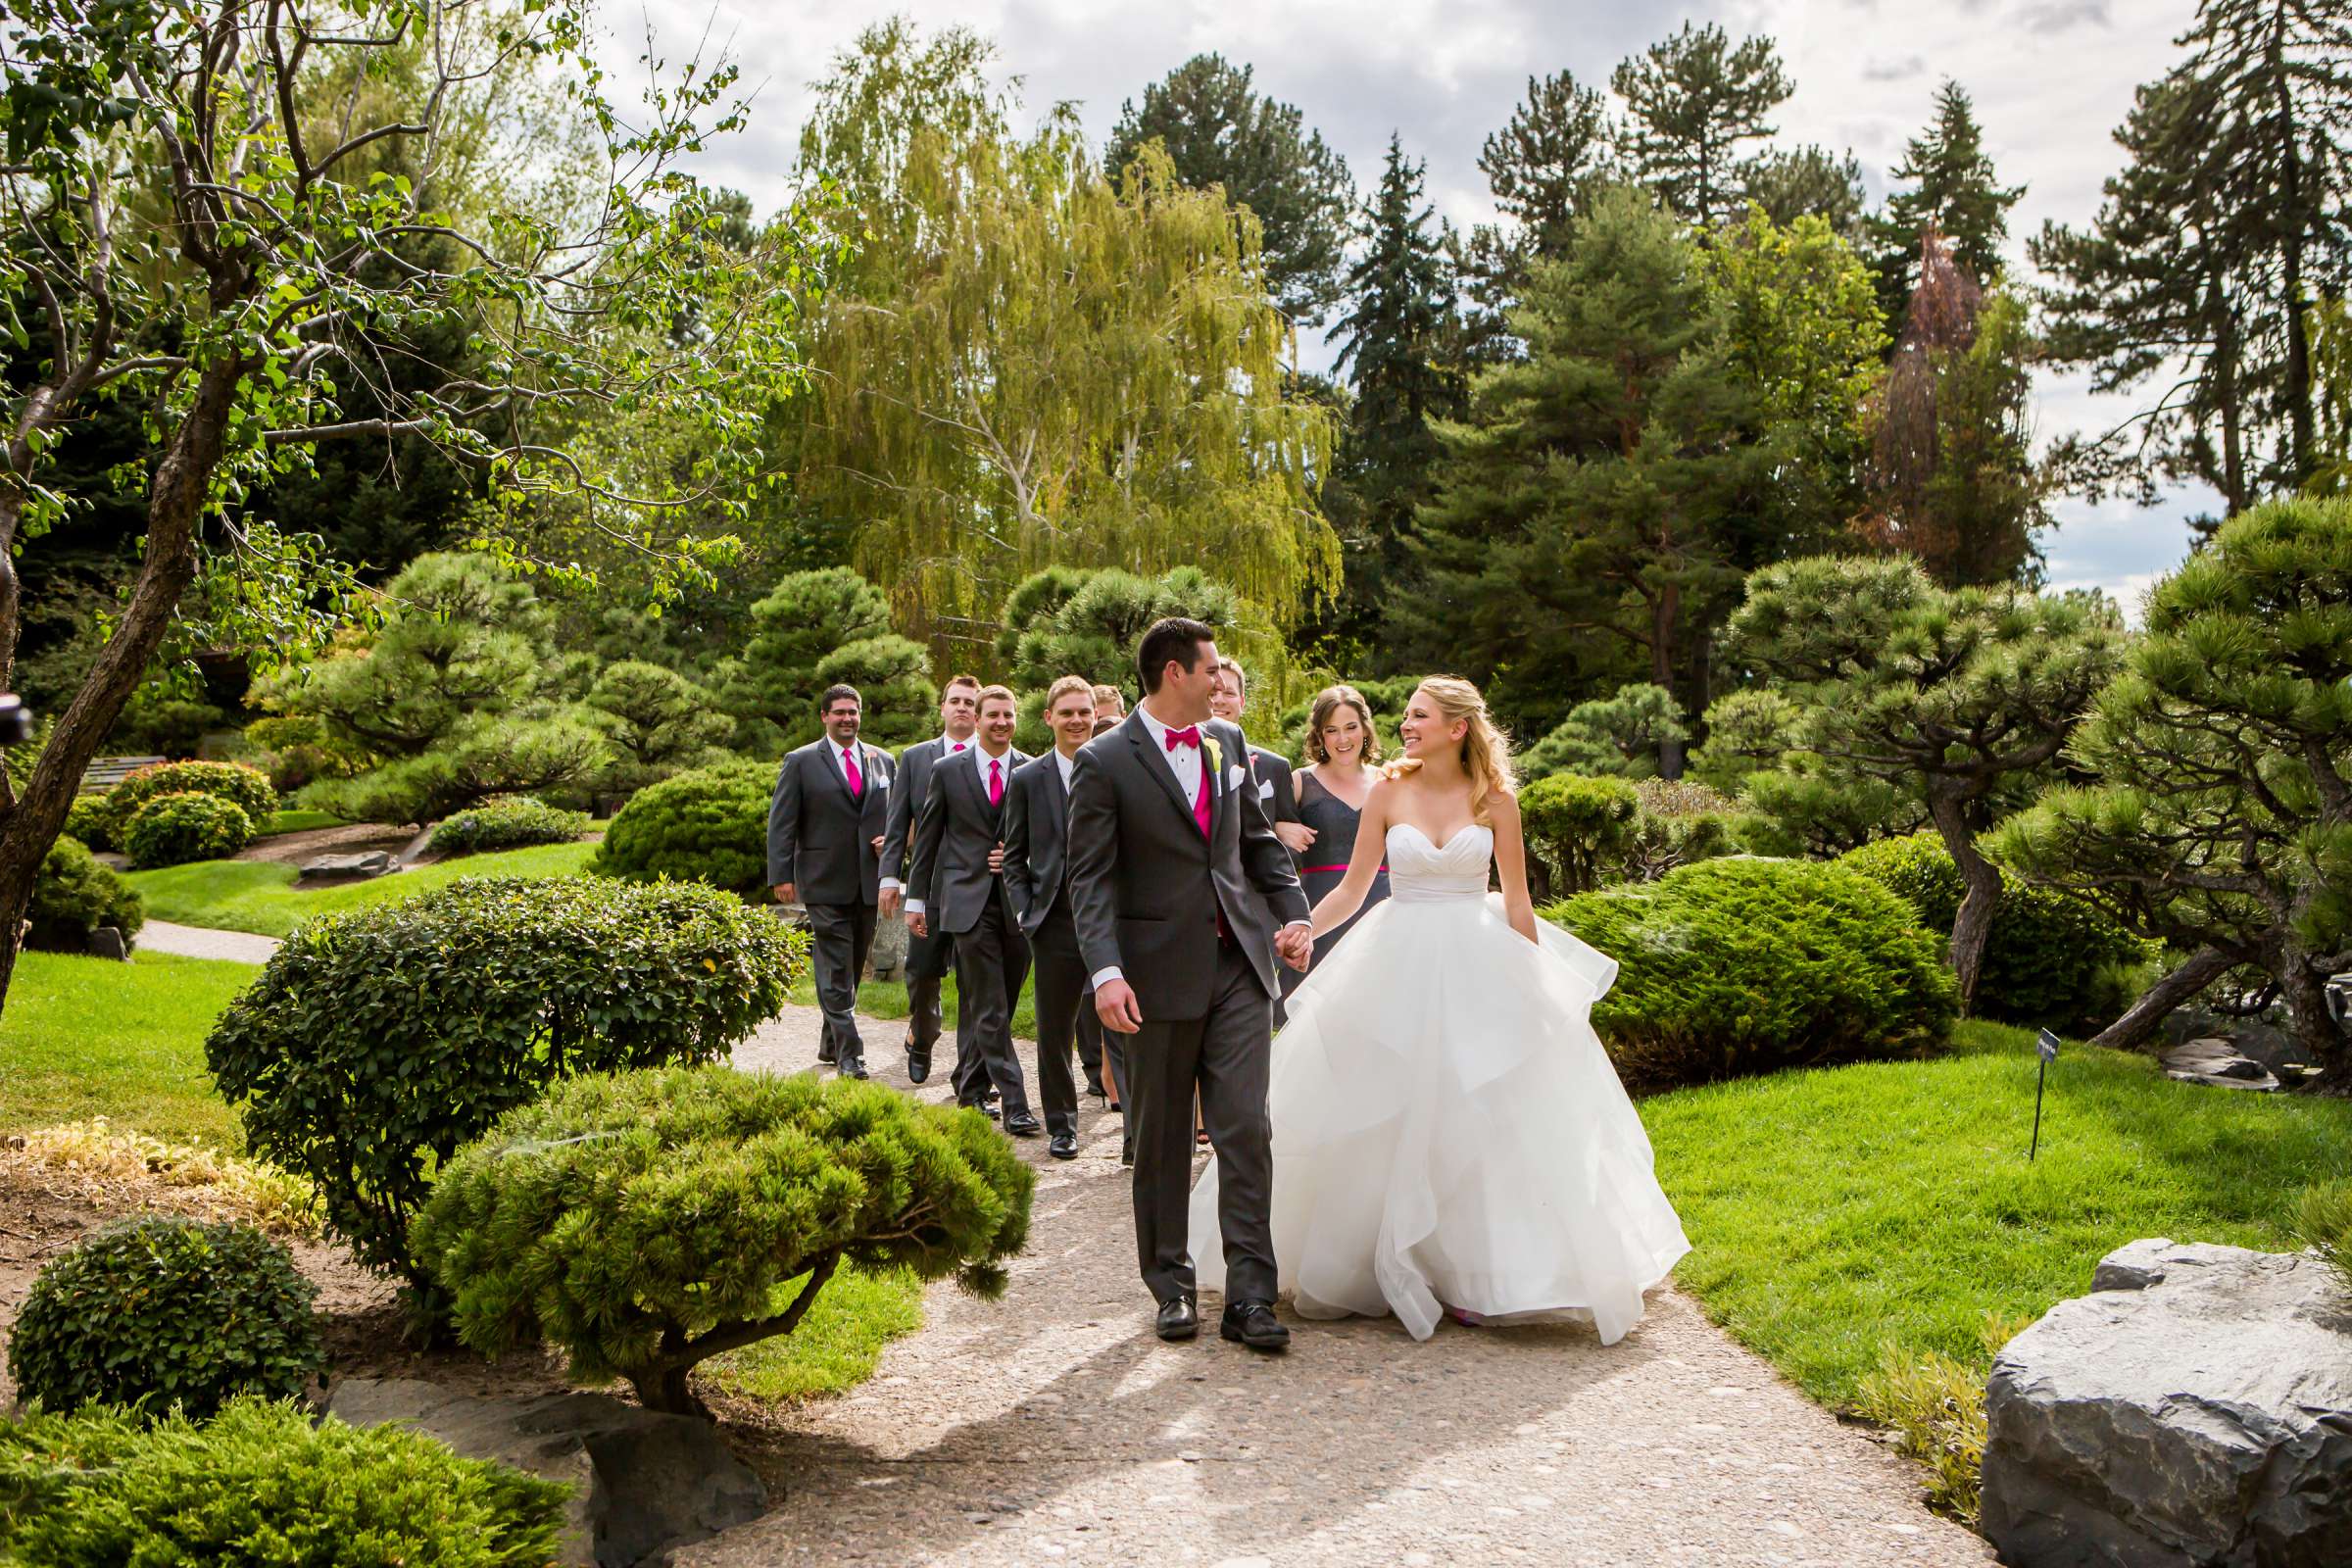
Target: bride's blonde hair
<point x="1486" y="748"/>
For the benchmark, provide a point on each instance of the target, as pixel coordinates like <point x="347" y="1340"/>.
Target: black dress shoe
<point x="1179" y="1318"/>
<point x="1093" y="1087"/>
<point x="1023" y="1125"/>
<point x="1063" y="1145"/>
<point x="826" y="1053"/>
<point x="852" y="1066"/>
<point x="918" y="1064"/>
<point x="1253" y="1323"/>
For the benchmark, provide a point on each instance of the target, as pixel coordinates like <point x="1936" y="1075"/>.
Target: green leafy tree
<point x="1089" y="624"/>
<point x="815" y="628"/>
<point x="1694" y="101"/>
<point x="216" y="296"/>
<point x="1033" y="361"/>
<point x="2221" y="818"/>
<point x="1810" y="182"/>
<point x="1954" y="191"/>
<point x="1219" y="131"/>
<point x="659" y="723"/>
<point x="1952" y="693"/>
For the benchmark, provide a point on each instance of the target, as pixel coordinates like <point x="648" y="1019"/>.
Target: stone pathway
<point x="204" y="942"/>
<point x="1052" y="1426"/>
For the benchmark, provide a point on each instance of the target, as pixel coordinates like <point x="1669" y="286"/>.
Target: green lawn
<point x="259" y="895"/>
<point x="89" y="1037"/>
<point x="837" y="1343"/>
<point x="1837" y="1211"/>
<point x="887" y="999"/>
<point x="293" y="820"/>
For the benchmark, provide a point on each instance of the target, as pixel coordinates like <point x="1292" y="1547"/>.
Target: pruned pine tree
<point x="1695" y="102"/>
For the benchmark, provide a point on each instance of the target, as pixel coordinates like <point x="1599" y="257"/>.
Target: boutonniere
<point x="1216" y="753"/>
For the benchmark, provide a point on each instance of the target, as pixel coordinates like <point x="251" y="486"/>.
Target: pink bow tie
<point x="1190" y="735"/>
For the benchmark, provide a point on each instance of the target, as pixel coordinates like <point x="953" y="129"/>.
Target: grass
<point x="293" y="820"/>
<point x="837" y="1344"/>
<point x="887" y="1000"/>
<point x="1842" y="1215"/>
<point x="259" y="895"/>
<point x="83" y="1038"/>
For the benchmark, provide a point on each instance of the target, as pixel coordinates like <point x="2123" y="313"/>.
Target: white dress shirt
<point x="980" y="761"/>
<point x="1186" y="762"/>
<point x="946" y="749"/>
<point x="1069" y="765"/>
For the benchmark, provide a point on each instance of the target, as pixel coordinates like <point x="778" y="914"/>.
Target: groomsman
<point x="1110" y="706"/>
<point x="1269" y="771"/>
<point x="927" y="957"/>
<point x="1096" y="1054"/>
<point x="825" y="824"/>
<point x="1037" y="819"/>
<point x="958" y="859"/>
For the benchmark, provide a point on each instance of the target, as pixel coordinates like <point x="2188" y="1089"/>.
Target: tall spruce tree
<point x="1693" y="101"/>
<point x="1952" y="189"/>
<point x="1220" y="130"/>
<point x="2198" y="274"/>
<point x="1399" y="346"/>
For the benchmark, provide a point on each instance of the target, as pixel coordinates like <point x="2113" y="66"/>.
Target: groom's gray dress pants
<point x="1226" y="1055"/>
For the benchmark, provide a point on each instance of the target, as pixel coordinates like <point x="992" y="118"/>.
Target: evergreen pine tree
<point x="1399" y="345"/>
<point x="1954" y="190"/>
<point x="1694" y="100"/>
<point x="1540" y="166"/>
<point x="1220" y="130"/>
<point x="1809" y="183"/>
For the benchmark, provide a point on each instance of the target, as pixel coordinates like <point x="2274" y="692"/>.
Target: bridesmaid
<point x="1342" y="746"/>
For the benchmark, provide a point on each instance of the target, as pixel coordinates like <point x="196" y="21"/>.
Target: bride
<point x="1449" y="1134"/>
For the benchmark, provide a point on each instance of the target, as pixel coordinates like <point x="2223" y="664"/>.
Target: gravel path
<point x="1052" y="1426"/>
<point x="204" y="942"/>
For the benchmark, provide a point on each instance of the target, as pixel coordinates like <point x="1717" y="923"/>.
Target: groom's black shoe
<point x="1252" y="1323"/>
<point x="919" y="1062"/>
<point x="1179" y="1318"/>
<point x="1063" y="1145"/>
<point x="852" y="1066"/>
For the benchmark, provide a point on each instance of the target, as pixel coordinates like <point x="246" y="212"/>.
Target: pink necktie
<point x="1200" y="810"/>
<point x="848" y="761"/>
<point x="995" y="782"/>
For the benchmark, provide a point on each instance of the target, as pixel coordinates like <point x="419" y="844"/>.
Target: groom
<point x="1173" y="872"/>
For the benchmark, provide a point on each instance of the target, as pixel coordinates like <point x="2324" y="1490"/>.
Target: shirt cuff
<point x="891" y="884"/>
<point x="1287" y="925"/>
<point x="914" y="906"/>
<point x="1106" y="976"/>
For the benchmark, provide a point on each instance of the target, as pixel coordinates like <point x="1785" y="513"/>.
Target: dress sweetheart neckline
<point x="1433" y="843"/>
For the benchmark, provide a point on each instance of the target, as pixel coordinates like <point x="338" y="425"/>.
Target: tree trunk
<point x="2140" y="1020"/>
<point x="2299" y="432"/>
<point x="32" y="822"/>
<point x="1972" y="927"/>
<point x="2306" y="994"/>
<point x="1664" y="610"/>
<point x="666" y="1391"/>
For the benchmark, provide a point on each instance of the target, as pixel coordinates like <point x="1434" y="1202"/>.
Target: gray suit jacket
<point x="955" y="832"/>
<point x="1146" y="888"/>
<point x="912" y="783"/>
<point x="1275" y="791"/>
<point x="1037" y="824"/>
<point x="818" y="837"/>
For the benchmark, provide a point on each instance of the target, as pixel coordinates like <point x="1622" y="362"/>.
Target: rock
<point x="2216" y="1061"/>
<point x="887" y="959"/>
<point x="643" y="1483"/>
<point x="2194" y="1409"/>
<point x="106" y="942"/>
<point x="355" y="867"/>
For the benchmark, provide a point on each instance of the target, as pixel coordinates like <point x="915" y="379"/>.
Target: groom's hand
<point x="1295" y="944"/>
<point x="1114" y="1004"/>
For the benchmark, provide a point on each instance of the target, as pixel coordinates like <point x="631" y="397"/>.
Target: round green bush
<point x="1741" y="967"/>
<point x="165" y="1311"/>
<point x="174" y="829"/>
<point x="261" y="1485"/>
<point x="247" y="788"/>
<point x="645" y="1221"/>
<point x="377" y="1042"/>
<point x="709" y="825"/>
<point x="1580" y="827"/>
<point x="511" y="823"/>
<point x="2048" y="959"/>
<point x="90" y="819"/>
<point x="74" y="894"/>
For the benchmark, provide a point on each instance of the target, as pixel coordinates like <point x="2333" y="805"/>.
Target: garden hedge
<point x="165" y="1311"/>
<point x="174" y="829"/>
<point x="1738" y="966"/>
<point x="645" y="1221"/>
<point x="76" y="893"/>
<point x="247" y="788"/>
<point x="511" y="823"/>
<point x="708" y="825"/>
<point x="377" y="1042"/>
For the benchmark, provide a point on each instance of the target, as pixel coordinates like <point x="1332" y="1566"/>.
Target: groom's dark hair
<point x="1174" y="638"/>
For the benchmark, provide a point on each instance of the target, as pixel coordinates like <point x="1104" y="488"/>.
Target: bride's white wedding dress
<point x="1447" y="1130"/>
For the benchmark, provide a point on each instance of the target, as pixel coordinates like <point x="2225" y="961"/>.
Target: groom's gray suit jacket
<point x="1146" y="888"/>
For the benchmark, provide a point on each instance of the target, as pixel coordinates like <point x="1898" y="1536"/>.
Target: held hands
<point x="1114" y="1004"/>
<point x="1296" y="837"/>
<point x="1295" y="944"/>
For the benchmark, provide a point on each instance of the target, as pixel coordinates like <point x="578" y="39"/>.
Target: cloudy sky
<point x="2051" y="78"/>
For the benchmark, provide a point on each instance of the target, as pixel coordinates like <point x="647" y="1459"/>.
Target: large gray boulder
<point x="358" y="866"/>
<point x="641" y="1483"/>
<point x="2195" y="1408"/>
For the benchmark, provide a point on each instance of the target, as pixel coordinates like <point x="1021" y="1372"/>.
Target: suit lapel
<point x="1139" y="735"/>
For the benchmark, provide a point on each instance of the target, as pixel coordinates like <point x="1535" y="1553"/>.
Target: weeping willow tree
<point x="1032" y="361"/>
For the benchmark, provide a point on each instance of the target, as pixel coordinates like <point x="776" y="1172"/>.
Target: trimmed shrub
<point x="174" y="829"/>
<point x="75" y="895"/>
<point x="2323" y="1223"/>
<point x="709" y="825"/>
<point x="165" y="1311"/>
<point x="1800" y="809"/>
<point x="507" y="824"/>
<point x="90" y="819"/>
<point x="259" y="1486"/>
<point x="1582" y="827"/>
<point x="247" y="788"/>
<point x="377" y="1042"/>
<point x="647" y="1221"/>
<point x="2049" y="958"/>
<point x="1734" y="967"/>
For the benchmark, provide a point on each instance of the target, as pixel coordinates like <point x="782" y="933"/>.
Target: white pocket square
<point x="1233" y="776"/>
<point x="1266" y="790"/>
